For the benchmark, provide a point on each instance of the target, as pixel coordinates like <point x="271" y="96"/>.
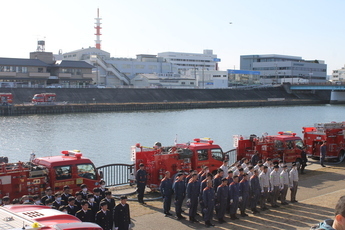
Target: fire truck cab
<point x="38" y="217"/>
<point x="44" y="98"/>
<point x="30" y="178"/>
<point x="332" y="132"/>
<point x="157" y="160"/>
<point x="6" y="98"/>
<point x="285" y="146"/>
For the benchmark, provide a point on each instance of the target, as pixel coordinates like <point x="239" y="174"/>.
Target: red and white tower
<point x="98" y="30"/>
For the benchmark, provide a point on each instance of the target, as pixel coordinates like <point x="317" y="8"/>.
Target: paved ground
<point x="319" y="190"/>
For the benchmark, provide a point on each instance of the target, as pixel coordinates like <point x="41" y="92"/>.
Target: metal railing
<point x="231" y="156"/>
<point x="117" y="174"/>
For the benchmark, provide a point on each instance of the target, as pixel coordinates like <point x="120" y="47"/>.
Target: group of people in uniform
<point x="248" y="184"/>
<point x="97" y="206"/>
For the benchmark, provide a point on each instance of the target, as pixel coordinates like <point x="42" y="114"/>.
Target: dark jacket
<point x="87" y="216"/>
<point x="166" y="187"/>
<point x="122" y="217"/>
<point x="104" y="220"/>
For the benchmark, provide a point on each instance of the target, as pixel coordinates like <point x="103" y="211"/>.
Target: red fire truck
<point x="6" y="98"/>
<point x="44" y="98"/>
<point x="29" y="178"/>
<point x="38" y="217"/>
<point x="285" y="146"/>
<point x="333" y="133"/>
<point x="201" y="152"/>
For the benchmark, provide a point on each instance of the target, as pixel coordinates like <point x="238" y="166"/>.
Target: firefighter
<point x="110" y="201"/>
<point x="250" y="171"/>
<point x="141" y="179"/>
<point x="225" y="168"/>
<point x="36" y="200"/>
<point x="323" y="151"/>
<point x="26" y="200"/>
<point x="293" y="182"/>
<point x="241" y="174"/>
<point x="66" y="193"/>
<point x="284" y="185"/>
<point x="203" y="174"/>
<point x="193" y="188"/>
<point x="102" y="187"/>
<point x="122" y="218"/>
<point x="304" y="160"/>
<point x="78" y="199"/>
<point x="104" y="217"/>
<point x="85" y="214"/>
<point x="71" y="207"/>
<point x="221" y="200"/>
<point x="84" y="191"/>
<point x="255" y="158"/>
<point x="166" y="191"/>
<point x="208" y="196"/>
<point x="203" y="185"/>
<point x="97" y="195"/>
<point x="189" y="176"/>
<point x="58" y="201"/>
<point x="48" y="195"/>
<point x="264" y="185"/>
<point x="6" y="200"/>
<point x="244" y="194"/>
<point x="179" y="188"/>
<point x="218" y="179"/>
<point x="257" y="166"/>
<point x="92" y="204"/>
<point x="255" y="191"/>
<point x="275" y="186"/>
<point x="229" y="179"/>
<point x="234" y="198"/>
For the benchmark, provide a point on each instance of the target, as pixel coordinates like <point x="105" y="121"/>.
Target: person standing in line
<point x="275" y="186"/>
<point x="122" y="217"/>
<point x="234" y="197"/>
<point x="208" y="198"/>
<point x="323" y="152"/>
<point x="179" y="188"/>
<point x="293" y="182"/>
<point x="225" y="168"/>
<point x="221" y="200"/>
<point x="85" y="214"/>
<point x="193" y="191"/>
<point x="284" y="185"/>
<point x="166" y="191"/>
<point x="255" y="192"/>
<point x="218" y="179"/>
<point x="110" y="201"/>
<point x="244" y="194"/>
<point x="203" y="185"/>
<point x="304" y="160"/>
<point x="104" y="217"/>
<point x="255" y="158"/>
<point x="141" y="179"/>
<point x="264" y="185"/>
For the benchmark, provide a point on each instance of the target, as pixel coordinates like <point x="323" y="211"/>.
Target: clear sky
<point x="311" y="29"/>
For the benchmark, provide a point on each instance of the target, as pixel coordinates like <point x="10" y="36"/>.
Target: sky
<point x="311" y="29"/>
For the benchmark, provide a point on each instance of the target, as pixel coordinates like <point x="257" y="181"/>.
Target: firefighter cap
<point x="123" y="198"/>
<point x="141" y="165"/>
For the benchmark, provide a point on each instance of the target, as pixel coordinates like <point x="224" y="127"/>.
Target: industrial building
<point x="276" y="68"/>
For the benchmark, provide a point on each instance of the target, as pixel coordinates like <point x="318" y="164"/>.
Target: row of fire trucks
<point x="286" y="146"/>
<point x="6" y="99"/>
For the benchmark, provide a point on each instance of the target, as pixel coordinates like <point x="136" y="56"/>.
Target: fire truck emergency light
<point x="75" y="153"/>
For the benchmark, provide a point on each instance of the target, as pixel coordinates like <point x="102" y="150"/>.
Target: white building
<point x="209" y="78"/>
<point x="162" y="80"/>
<point x="338" y="75"/>
<point x="185" y="61"/>
<point x="276" y="68"/>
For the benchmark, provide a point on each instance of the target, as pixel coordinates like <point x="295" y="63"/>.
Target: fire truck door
<point x="316" y="148"/>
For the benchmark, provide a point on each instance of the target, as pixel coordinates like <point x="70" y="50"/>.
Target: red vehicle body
<point x="38" y="217"/>
<point x="44" y="98"/>
<point x="6" y="98"/>
<point x="30" y="178"/>
<point x="285" y="146"/>
<point x="332" y="132"/>
<point x="187" y="156"/>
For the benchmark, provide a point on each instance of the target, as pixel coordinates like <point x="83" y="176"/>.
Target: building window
<point x="40" y="70"/>
<point x="192" y="83"/>
<point x="183" y="83"/>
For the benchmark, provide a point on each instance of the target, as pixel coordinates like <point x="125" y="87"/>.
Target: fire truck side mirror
<point x="101" y="174"/>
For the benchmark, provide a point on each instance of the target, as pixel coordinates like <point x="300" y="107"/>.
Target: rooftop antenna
<point x="98" y="30"/>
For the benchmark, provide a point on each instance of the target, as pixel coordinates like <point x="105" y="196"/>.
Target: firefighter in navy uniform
<point x="104" y="217"/>
<point x="66" y="193"/>
<point x="208" y="198"/>
<point x="234" y="193"/>
<point x="166" y="191"/>
<point x="48" y="195"/>
<point x="97" y="195"/>
<point x="122" y="218"/>
<point x="193" y="191"/>
<point x="255" y="191"/>
<point x="109" y="200"/>
<point x="85" y="214"/>
<point x="141" y="178"/>
<point x="179" y="188"/>
<point x="244" y="194"/>
<point x="221" y="200"/>
<point x="92" y="204"/>
<point x="71" y="207"/>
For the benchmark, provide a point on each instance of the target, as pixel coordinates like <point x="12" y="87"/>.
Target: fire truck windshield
<point x="87" y="171"/>
<point x="299" y="144"/>
<point x="217" y="154"/>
